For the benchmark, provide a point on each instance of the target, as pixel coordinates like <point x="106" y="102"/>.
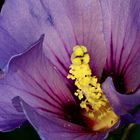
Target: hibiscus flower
<point x="80" y="79"/>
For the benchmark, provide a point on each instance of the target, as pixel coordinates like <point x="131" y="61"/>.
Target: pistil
<point x="96" y="108"/>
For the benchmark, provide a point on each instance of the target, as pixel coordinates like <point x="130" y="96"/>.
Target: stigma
<point x="95" y="106"/>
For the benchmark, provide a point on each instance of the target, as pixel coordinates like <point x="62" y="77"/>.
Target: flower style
<point x="80" y="79"/>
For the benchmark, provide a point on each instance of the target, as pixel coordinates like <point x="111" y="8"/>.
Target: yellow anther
<point x="76" y="94"/>
<point x="86" y="59"/>
<point x="80" y="96"/>
<point x="80" y="47"/>
<point x="76" y="61"/>
<point x="84" y="105"/>
<point x="89" y="91"/>
<point x="78" y="51"/>
<point x="91" y="114"/>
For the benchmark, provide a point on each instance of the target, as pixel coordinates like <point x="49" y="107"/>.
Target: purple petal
<point x="86" y="19"/>
<point x="15" y="30"/>
<point x="14" y="37"/>
<point x="52" y="128"/>
<point x="64" y="23"/>
<point x="137" y="116"/>
<point x="9" y="117"/>
<point x="8" y="47"/>
<point x="17" y="20"/>
<point x="127" y="119"/>
<point x="31" y="76"/>
<point x="122" y="33"/>
<point x="120" y="103"/>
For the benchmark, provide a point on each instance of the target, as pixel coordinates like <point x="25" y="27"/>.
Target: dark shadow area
<point x="118" y="81"/>
<point x="25" y="132"/>
<point x="1" y="3"/>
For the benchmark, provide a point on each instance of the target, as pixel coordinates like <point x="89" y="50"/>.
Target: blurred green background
<point x="26" y="132"/>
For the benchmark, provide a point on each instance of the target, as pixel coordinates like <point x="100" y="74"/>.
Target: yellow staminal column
<point x="95" y="106"/>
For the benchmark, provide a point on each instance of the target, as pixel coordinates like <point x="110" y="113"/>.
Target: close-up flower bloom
<point x="70" y="67"/>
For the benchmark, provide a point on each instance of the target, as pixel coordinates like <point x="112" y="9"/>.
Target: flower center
<point x="95" y="106"/>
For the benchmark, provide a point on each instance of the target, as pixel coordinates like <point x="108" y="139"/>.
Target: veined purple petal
<point x="65" y="23"/>
<point x="31" y="76"/>
<point x="86" y="19"/>
<point x="120" y="103"/>
<point x="122" y="33"/>
<point x="50" y="128"/>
